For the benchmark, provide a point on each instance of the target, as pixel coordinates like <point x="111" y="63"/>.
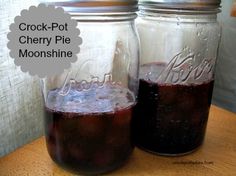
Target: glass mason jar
<point x="179" y="42"/>
<point x="88" y="108"/>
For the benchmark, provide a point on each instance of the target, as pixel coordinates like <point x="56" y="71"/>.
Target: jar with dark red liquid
<point x="179" y="42"/>
<point x="88" y="108"/>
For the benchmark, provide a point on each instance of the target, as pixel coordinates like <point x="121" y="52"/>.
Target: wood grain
<point x="217" y="156"/>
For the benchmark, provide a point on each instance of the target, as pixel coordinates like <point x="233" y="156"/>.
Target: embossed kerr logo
<point x="181" y="69"/>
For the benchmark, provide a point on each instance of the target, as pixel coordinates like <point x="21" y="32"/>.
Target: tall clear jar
<point x="88" y="108"/>
<point x="179" y="42"/>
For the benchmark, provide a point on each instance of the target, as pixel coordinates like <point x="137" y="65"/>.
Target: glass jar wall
<point x="179" y="42"/>
<point x="88" y="108"/>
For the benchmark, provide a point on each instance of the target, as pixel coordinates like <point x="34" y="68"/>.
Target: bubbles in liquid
<point x="152" y="72"/>
<point x="107" y="98"/>
<point x="167" y="118"/>
<point x="89" y="130"/>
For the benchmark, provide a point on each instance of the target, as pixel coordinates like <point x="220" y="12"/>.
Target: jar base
<point x="102" y="171"/>
<point x="169" y="154"/>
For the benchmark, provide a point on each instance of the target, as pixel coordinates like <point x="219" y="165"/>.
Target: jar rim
<point x="190" y="5"/>
<point x="96" y="6"/>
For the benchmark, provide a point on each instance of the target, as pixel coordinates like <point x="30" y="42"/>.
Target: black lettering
<point x="22" y="40"/>
<point x="43" y="54"/>
<point x="58" y="38"/>
<point x="44" y="27"/>
<point x="36" y="54"/>
<point x="67" y="40"/>
<point x="61" y="27"/>
<point x="32" y="27"/>
<point x="22" y="54"/>
<point x="30" y="53"/>
<point x="69" y="54"/>
<point x="54" y="25"/>
<point x="66" y="25"/>
<point x="22" y="26"/>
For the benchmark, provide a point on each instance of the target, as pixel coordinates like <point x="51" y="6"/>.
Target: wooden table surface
<point x="217" y="156"/>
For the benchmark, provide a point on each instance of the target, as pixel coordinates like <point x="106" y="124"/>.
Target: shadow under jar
<point x="179" y="43"/>
<point x="88" y="108"/>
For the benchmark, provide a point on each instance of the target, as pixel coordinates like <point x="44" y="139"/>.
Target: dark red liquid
<point x="171" y="119"/>
<point x="89" y="131"/>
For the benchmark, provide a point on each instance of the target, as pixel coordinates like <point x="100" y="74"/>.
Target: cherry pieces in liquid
<point x="171" y="119"/>
<point x="90" y="143"/>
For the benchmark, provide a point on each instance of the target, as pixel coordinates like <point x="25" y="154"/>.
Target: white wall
<point x="21" y="111"/>
<point x="225" y="84"/>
